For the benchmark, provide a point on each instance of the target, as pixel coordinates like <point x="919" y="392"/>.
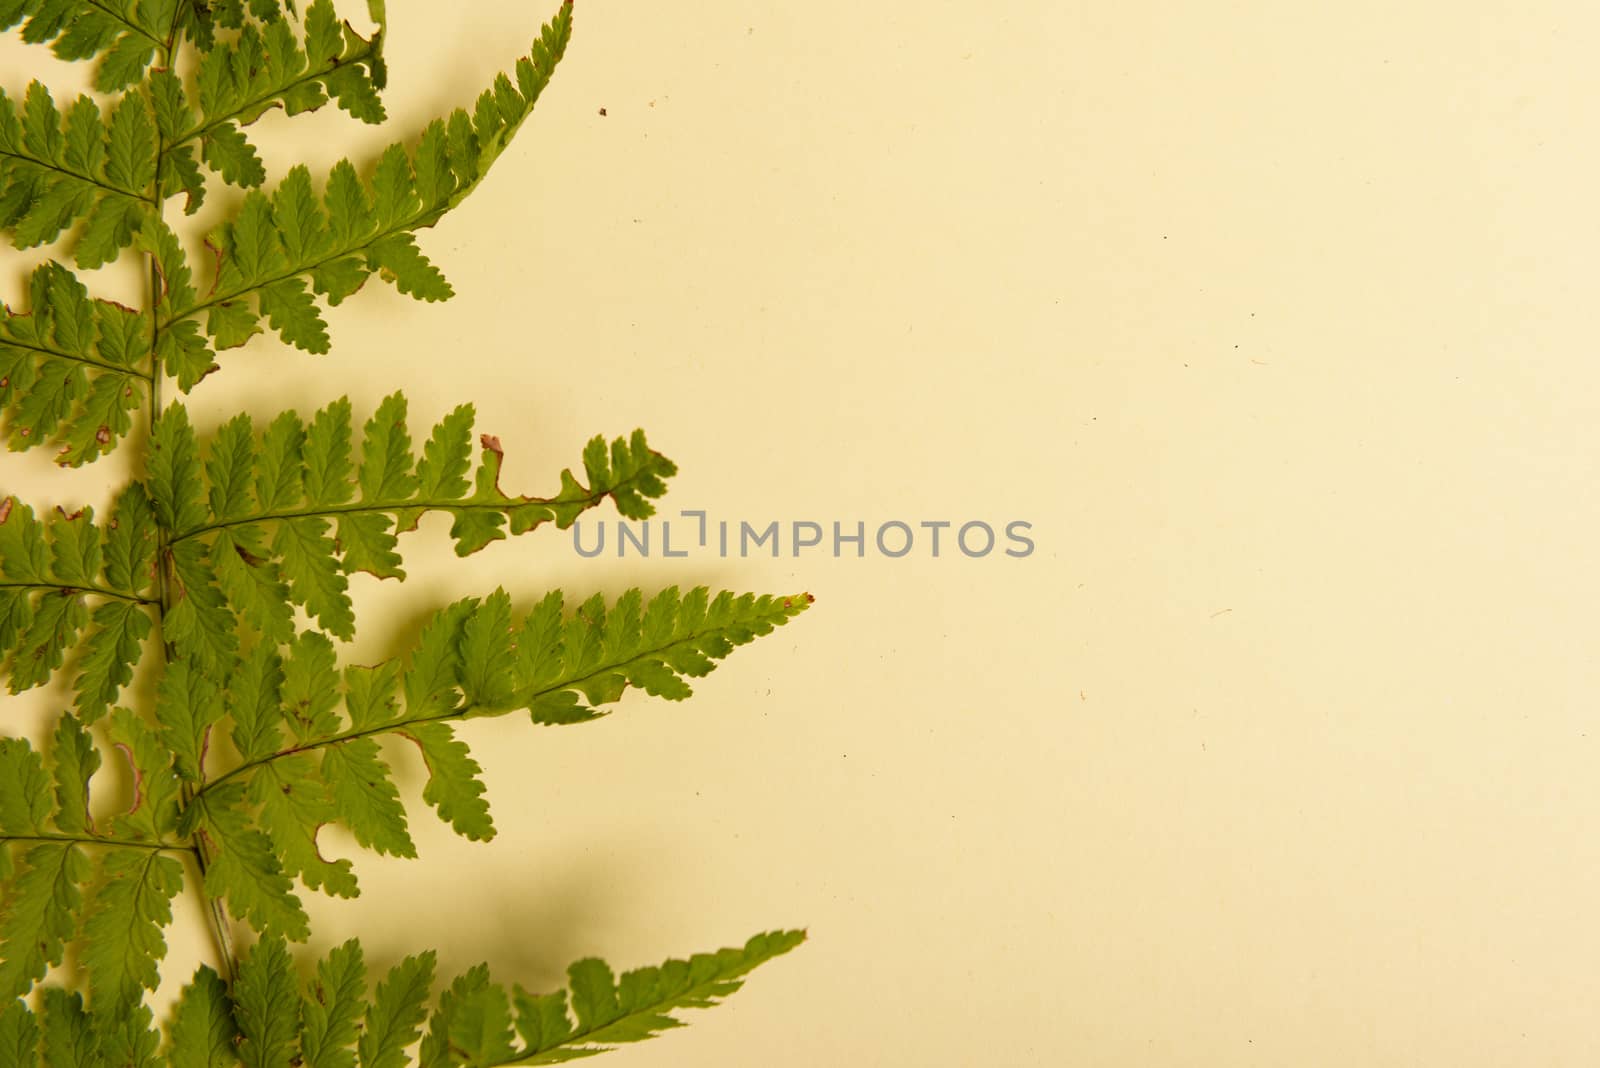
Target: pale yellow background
<point x="1276" y="319"/>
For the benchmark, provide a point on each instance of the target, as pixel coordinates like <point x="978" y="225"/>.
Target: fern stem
<point x="198" y="849"/>
<point x="365" y="508"/>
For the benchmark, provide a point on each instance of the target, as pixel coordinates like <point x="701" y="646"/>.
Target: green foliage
<point x="308" y="734"/>
<point x="78" y="166"/>
<point x="222" y="574"/>
<point x="104" y="885"/>
<point x="71" y="586"/>
<point x="274" y="1019"/>
<point x="72" y="369"/>
<point x="279" y="518"/>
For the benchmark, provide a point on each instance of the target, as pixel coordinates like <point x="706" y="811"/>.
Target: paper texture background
<point x="1275" y="320"/>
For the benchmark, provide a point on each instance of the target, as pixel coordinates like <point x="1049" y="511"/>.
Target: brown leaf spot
<point x="103" y="435"/>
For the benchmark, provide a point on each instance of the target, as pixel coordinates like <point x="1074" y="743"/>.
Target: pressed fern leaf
<point x="258" y="736"/>
<point x="59" y="169"/>
<point x="307" y="734"/>
<point x="640" y="1005"/>
<point x="278" y="252"/>
<point x="51" y="572"/>
<point x="106" y="885"/>
<point x="278" y="518"/>
<point x="274" y="1019"/>
<point x="72" y="368"/>
<point x="259" y="69"/>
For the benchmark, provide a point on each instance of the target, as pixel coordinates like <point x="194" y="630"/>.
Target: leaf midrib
<point x="87" y="179"/>
<point x="464" y="504"/>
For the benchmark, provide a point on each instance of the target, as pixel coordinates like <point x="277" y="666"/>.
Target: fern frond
<point x="57" y="170"/>
<point x="57" y="865"/>
<point x="307" y="734"/>
<point x="640" y="1005"/>
<point x="279" y="252"/>
<point x="281" y="517"/>
<point x="65" y="1034"/>
<point x="72" y="368"/>
<point x="274" y="1019"/>
<point x="260" y="69"/>
<point x="125" y="35"/>
<point x="50" y="572"/>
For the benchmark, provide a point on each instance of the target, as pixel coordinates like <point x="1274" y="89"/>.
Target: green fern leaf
<point x="453" y="786"/>
<point x="187" y="705"/>
<point x="24" y="789"/>
<point x="48" y="574"/>
<point x="223" y="541"/>
<point x="153" y="815"/>
<point x="122" y="942"/>
<point x="76" y="760"/>
<point x="40" y="915"/>
<point x="180" y="346"/>
<point x="245" y="871"/>
<point x="267" y="1007"/>
<point x="255" y="702"/>
<point x="639" y="1006"/>
<point x="269" y="249"/>
<point x="128" y="1037"/>
<point x="19" y="1036"/>
<point x="124" y="894"/>
<point x="473" y="658"/>
<point x="265" y="68"/>
<point x="72" y="369"/>
<point x="397" y="1012"/>
<point x="292" y="802"/>
<point x="472" y="1025"/>
<point x="315" y="514"/>
<point x="81" y="166"/>
<point x="333" y="1011"/>
<point x="366" y="797"/>
<point x="203" y="1031"/>
<point x="198" y="622"/>
<point x="69" y="1036"/>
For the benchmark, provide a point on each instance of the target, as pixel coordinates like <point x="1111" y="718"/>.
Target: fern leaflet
<point x="72" y="369"/>
<point x="279" y="250"/>
<point x="307" y="734"/>
<point x="57" y="864"/>
<point x="50" y="572"/>
<point x="81" y="166"/>
<point x="279" y="518"/>
<point x="275" y="1020"/>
